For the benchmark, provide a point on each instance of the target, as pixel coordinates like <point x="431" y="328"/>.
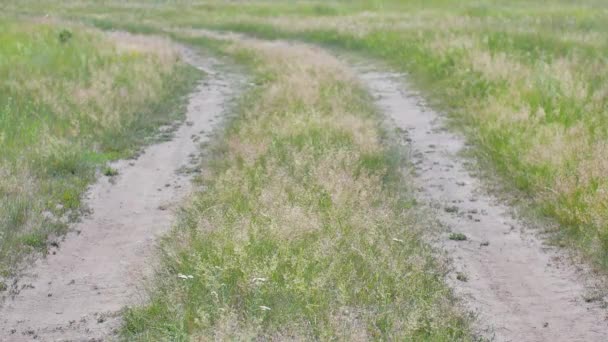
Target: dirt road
<point x="517" y="285"/>
<point x="76" y="293"/>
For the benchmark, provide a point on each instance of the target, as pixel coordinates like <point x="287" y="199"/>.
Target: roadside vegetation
<point x="72" y="99"/>
<point x="524" y="80"/>
<point x="304" y="229"/>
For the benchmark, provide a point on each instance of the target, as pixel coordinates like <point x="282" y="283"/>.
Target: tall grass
<point x="524" y="80"/>
<point x="304" y="229"/>
<point x="71" y="99"/>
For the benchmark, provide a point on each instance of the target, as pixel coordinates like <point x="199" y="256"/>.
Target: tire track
<point x="78" y="291"/>
<point x="519" y="288"/>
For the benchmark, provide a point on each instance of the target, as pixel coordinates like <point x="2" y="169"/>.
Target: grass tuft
<point x="457" y="237"/>
<point x="109" y="171"/>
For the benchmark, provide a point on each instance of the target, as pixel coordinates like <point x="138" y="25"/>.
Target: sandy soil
<point x="76" y="293"/>
<point x="520" y="289"/>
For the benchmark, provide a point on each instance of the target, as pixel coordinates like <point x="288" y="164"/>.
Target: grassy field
<point x="524" y="80"/>
<point x="72" y="99"/>
<point x="304" y="230"/>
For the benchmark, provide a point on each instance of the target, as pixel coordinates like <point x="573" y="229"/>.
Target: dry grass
<point x="293" y="237"/>
<point x="525" y="81"/>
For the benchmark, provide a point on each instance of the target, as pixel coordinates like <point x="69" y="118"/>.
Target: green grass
<point x="524" y="80"/>
<point x="71" y="99"/>
<point x="109" y="171"/>
<point x="305" y="229"/>
<point x="457" y="237"/>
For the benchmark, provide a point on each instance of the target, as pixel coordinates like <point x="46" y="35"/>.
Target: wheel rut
<point x="516" y="285"/>
<point x="77" y="292"/>
<point x="519" y="288"/>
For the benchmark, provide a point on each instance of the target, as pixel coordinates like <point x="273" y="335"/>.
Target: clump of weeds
<point x="457" y="237"/>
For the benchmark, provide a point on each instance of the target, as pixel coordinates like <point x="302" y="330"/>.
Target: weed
<point x="457" y="237"/>
<point x="109" y="171"/>
<point x="64" y="36"/>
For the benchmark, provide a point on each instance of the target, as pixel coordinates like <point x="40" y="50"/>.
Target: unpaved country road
<point x="76" y="294"/>
<point x="515" y="285"/>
